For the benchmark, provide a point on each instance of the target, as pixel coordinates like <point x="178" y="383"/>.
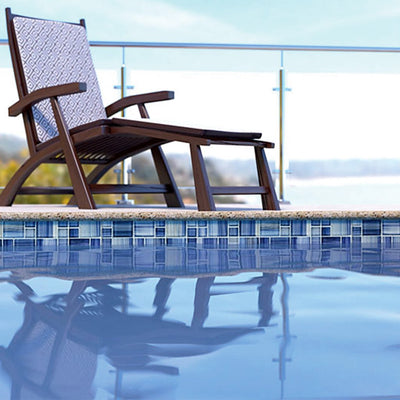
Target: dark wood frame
<point x="107" y="142"/>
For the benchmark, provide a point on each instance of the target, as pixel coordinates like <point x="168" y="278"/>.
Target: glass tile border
<point x="265" y="233"/>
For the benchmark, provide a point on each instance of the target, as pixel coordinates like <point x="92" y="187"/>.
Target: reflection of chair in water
<point x="265" y="294"/>
<point x="66" y="122"/>
<point x="54" y="354"/>
<point x="43" y="360"/>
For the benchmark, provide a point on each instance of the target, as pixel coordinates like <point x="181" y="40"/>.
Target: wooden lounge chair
<point x="66" y="122"/>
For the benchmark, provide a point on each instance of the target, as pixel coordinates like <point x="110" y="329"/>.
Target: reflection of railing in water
<point x="243" y="47"/>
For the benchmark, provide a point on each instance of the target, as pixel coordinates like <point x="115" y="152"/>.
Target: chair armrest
<point x="137" y="100"/>
<point x="40" y="94"/>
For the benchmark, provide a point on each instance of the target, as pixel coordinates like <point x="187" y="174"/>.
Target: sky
<point x="333" y="22"/>
<point x="336" y="98"/>
<point x="291" y="22"/>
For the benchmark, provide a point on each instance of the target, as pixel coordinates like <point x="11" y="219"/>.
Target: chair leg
<point x="205" y="201"/>
<point x="82" y="192"/>
<point x="173" y="199"/>
<point x="269" y="200"/>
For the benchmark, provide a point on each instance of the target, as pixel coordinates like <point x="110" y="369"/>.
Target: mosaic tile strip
<point x="268" y="234"/>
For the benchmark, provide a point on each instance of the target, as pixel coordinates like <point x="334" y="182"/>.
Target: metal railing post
<point x="124" y="167"/>
<point x="282" y="89"/>
<point x="281" y="132"/>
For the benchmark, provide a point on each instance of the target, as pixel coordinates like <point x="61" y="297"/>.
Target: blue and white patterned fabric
<point x="55" y="53"/>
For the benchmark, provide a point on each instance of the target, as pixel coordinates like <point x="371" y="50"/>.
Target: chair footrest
<point x="98" y="189"/>
<point x="224" y="190"/>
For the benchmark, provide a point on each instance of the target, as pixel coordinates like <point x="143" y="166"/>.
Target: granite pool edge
<point x="138" y="214"/>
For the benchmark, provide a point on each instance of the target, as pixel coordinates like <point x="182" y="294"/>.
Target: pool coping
<point x="51" y="212"/>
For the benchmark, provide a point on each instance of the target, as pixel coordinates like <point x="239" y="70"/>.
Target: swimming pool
<point x="200" y="309"/>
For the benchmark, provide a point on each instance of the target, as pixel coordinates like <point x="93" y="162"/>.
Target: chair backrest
<point x="47" y="53"/>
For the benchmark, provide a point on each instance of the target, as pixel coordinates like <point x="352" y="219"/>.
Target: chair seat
<point x="205" y="133"/>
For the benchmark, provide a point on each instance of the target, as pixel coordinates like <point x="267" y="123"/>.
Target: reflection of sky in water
<point x="326" y="333"/>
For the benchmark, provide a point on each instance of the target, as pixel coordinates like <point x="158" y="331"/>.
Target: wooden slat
<point x="97" y="189"/>
<point x="134" y="188"/>
<point x="226" y="190"/>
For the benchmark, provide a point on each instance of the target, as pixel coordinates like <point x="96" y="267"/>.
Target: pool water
<point x="265" y="333"/>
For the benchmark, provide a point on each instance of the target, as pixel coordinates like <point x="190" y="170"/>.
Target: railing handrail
<point x="239" y="46"/>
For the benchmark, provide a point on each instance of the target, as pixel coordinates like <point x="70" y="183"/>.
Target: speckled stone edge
<point x="140" y="214"/>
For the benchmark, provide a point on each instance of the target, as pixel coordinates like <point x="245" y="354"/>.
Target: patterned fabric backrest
<point x="55" y="53"/>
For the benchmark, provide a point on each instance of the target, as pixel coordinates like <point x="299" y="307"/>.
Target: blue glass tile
<point x="160" y="232"/>
<point x="387" y="242"/>
<point x="63" y="243"/>
<point x="24" y="244"/>
<point x="326" y="222"/>
<point x="285" y="231"/>
<point x="13" y="229"/>
<point x="106" y="243"/>
<point x="316" y="231"/>
<point x="315" y="222"/>
<point x="356" y="243"/>
<point x="192" y="232"/>
<point x="340" y="227"/>
<point x="125" y="228"/>
<point x="210" y="243"/>
<point x="8" y="244"/>
<point x="122" y="242"/>
<point x="233" y="241"/>
<point x="280" y="243"/>
<point x="74" y="233"/>
<point x="175" y="242"/>
<point x="247" y="228"/>
<point x="268" y="228"/>
<point x="89" y="229"/>
<point x="233" y="231"/>
<point x="346" y="242"/>
<point x="175" y="228"/>
<point x="300" y="242"/>
<point x="285" y="222"/>
<point x="30" y="224"/>
<point x="47" y="244"/>
<point x="160" y="223"/>
<point x="95" y="243"/>
<point x="222" y="243"/>
<point x="44" y="229"/>
<point x="391" y="227"/>
<point x="330" y="242"/>
<point x="316" y="241"/>
<point x="30" y="233"/>
<point x="217" y="228"/>
<point x="396" y="242"/>
<point x="326" y="231"/>
<point x="356" y="231"/>
<point x="202" y="223"/>
<point x="106" y="232"/>
<point x="62" y="224"/>
<point x="248" y="242"/>
<point x="264" y="243"/>
<point x="139" y="242"/>
<point x="371" y="242"/>
<point x="74" y="224"/>
<point x="79" y="244"/>
<point x="371" y="227"/>
<point x="299" y="228"/>
<point x="192" y="242"/>
<point x="202" y="232"/>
